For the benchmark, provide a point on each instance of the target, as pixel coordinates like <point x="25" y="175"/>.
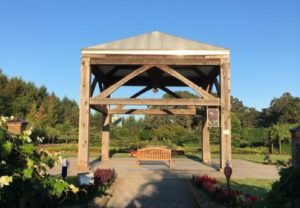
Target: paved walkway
<point x="153" y="185"/>
<point x="183" y="168"/>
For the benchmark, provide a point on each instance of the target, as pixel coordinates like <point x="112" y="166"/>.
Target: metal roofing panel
<point x="155" y="43"/>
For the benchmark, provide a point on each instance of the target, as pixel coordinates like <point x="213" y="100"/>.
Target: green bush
<point x="286" y="148"/>
<point x="23" y="173"/>
<point x="249" y="150"/>
<point x="285" y="193"/>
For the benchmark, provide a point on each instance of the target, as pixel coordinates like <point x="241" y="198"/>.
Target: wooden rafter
<point x="170" y="92"/>
<point x="100" y="86"/>
<point x="161" y="102"/>
<point x="101" y="77"/>
<point x="118" y="84"/>
<point x="154" y="111"/>
<point x="189" y="83"/>
<point x="142" y="91"/>
<point x="203" y="78"/>
<point x="93" y="86"/>
<point x="217" y="85"/>
<point x="99" y="108"/>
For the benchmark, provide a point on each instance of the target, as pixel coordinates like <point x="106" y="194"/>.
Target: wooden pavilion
<point x="155" y="61"/>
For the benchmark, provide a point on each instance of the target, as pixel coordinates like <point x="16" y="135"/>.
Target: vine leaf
<point x="27" y="173"/>
<point x="28" y="148"/>
<point x="6" y="148"/>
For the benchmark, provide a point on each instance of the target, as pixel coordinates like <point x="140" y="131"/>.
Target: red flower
<point x="220" y="194"/>
<point x="253" y="198"/>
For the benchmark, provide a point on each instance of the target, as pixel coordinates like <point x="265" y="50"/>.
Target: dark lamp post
<point x="227" y="173"/>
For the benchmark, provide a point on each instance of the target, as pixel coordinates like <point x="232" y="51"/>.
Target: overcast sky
<point x="41" y="40"/>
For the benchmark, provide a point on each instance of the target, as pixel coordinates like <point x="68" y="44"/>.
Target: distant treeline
<point x="56" y="119"/>
<point x="53" y="118"/>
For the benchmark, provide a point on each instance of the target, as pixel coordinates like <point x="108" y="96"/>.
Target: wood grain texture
<point x="84" y="114"/>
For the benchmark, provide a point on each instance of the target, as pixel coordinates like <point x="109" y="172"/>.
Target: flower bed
<point x="221" y="195"/>
<point x="104" y="176"/>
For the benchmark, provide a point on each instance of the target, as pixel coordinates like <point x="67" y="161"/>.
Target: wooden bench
<point x="154" y="154"/>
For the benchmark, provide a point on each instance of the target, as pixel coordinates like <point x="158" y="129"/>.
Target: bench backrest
<point x="154" y="153"/>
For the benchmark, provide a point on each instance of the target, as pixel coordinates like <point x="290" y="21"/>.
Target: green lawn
<point x="259" y="158"/>
<point x="257" y="187"/>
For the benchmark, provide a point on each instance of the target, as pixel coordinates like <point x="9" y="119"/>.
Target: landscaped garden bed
<point x="95" y="193"/>
<point x="219" y="194"/>
<point x="24" y="176"/>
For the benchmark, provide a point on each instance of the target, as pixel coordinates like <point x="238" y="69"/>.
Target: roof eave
<point x="155" y="52"/>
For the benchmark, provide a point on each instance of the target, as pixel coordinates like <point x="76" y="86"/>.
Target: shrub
<point x="104" y="177"/>
<point x="23" y="172"/>
<point x="249" y="150"/>
<point x="221" y="195"/>
<point x="285" y="193"/>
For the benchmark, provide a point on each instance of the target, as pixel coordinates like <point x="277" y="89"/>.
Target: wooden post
<point x="84" y="114"/>
<point x="105" y="137"/>
<point x="206" y="156"/>
<point x="225" y="114"/>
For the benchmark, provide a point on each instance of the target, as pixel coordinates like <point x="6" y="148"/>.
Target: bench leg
<point x="170" y="165"/>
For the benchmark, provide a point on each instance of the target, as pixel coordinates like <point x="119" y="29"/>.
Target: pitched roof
<point x="156" y="43"/>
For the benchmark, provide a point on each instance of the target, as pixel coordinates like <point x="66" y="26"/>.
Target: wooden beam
<point x="101" y="77"/>
<point x="167" y="81"/>
<point x="99" y="108"/>
<point x="93" y="86"/>
<point x="217" y="85"/>
<point x="118" y="84"/>
<point x="189" y="83"/>
<point x="225" y="114"/>
<point x="142" y="91"/>
<point x="84" y="114"/>
<point x="153" y="59"/>
<point x="100" y="86"/>
<point x="160" y="102"/>
<point x="154" y="111"/>
<point x="105" y="137"/>
<point x="170" y="92"/>
<point x="206" y="155"/>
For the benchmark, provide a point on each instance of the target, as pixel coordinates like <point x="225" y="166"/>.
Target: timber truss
<point x="155" y="72"/>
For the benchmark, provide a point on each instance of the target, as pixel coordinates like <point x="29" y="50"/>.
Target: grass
<point x="257" y="187"/>
<point x="259" y="158"/>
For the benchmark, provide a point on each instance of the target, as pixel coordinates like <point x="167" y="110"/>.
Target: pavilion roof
<point x="156" y="43"/>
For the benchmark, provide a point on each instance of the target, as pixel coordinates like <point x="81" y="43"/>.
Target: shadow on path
<point x="159" y="188"/>
<point x="214" y="163"/>
<point x="95" y="162"/>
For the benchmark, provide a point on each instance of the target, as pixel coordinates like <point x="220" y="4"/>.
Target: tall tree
<point x="247" y="116"/>
<point x="285" y="109"/>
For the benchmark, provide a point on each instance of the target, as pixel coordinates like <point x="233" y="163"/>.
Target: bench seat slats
<point x="154" y="154"/>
